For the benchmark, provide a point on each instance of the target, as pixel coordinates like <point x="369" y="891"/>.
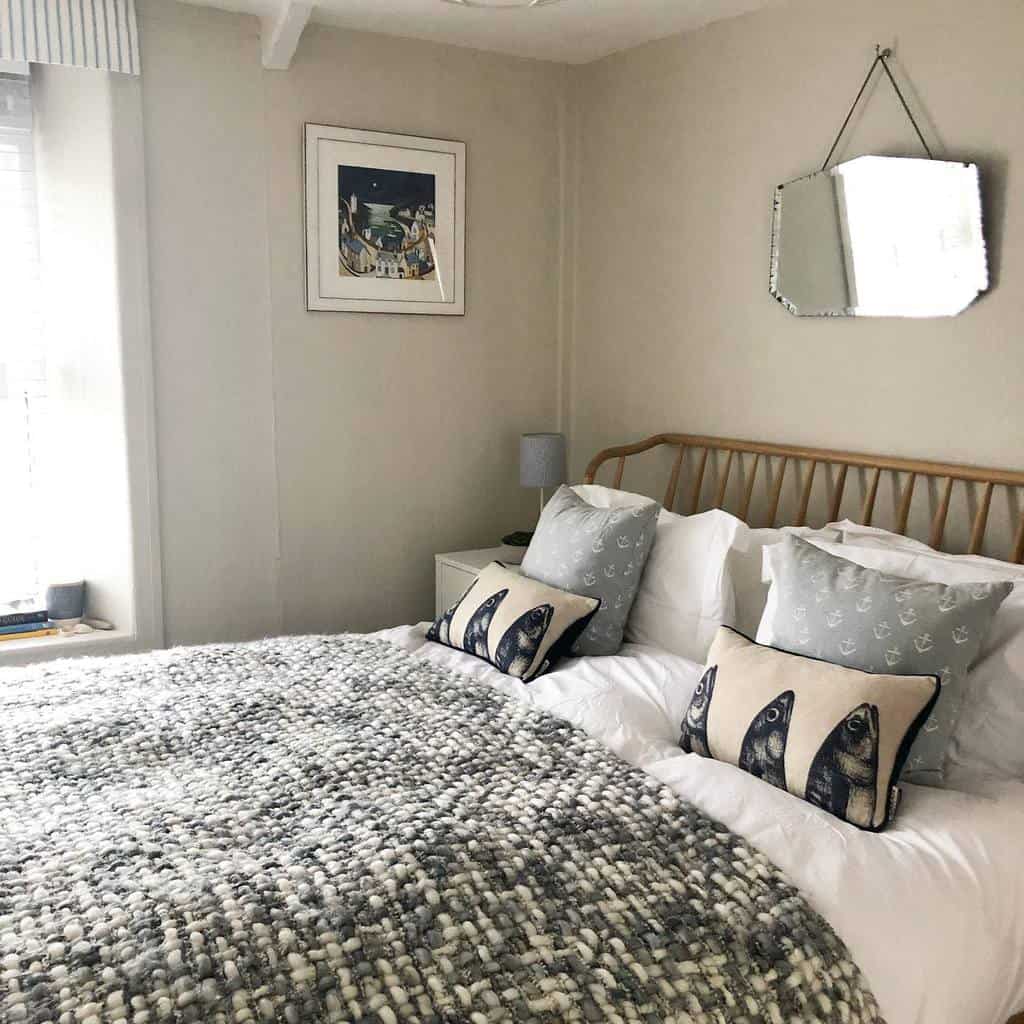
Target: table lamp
<point x="542" y="464"/>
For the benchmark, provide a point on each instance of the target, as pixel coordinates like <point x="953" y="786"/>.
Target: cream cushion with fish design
<point x="830" y="607"/>
<point x="834" y="736"/>
<point x="518" y="625"/>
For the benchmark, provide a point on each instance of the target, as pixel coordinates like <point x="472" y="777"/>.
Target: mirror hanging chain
<point x="881" y="57"/>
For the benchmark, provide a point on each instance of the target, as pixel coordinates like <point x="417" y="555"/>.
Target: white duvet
<point x="932" y="909"/>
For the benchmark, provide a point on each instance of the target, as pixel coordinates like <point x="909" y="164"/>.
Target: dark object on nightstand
<point x="519" y="539"/>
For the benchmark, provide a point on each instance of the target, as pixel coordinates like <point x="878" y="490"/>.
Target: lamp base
<point x="519" y="539"/>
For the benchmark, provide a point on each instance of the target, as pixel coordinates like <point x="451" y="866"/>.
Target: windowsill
<point x="46" y="648"/>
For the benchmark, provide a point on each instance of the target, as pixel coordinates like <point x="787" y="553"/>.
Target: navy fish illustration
<point x="763" y="751"/>
<point x="518" y="647"/>
<point x="844" y="773"/>
<point x="694" y="738"/>
<point x="474" y="639"/>
<point x="440" y="631"/>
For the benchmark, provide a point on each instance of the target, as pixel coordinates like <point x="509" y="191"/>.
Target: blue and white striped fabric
<point x="100" y="34"/>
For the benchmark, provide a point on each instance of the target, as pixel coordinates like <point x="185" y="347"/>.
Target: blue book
<point x="23" y="627"/>
<point x="9" y="617"/>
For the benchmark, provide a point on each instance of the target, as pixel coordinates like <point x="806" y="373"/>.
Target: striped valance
<point x="81" y="33"/>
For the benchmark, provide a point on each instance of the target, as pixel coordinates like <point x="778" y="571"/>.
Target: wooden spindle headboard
<point x="776" y="460"/>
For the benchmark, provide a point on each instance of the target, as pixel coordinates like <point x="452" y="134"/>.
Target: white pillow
<point x="608" y="497"/>
<point x="746" y="569"/>
<point x="854" y="533"/>
<point x="686" y="591"/>
<point x="988" y="740"/>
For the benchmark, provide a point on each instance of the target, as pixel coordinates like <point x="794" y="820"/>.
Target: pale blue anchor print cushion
<point x="595" y="552"/>
<point x="830" y="608"/>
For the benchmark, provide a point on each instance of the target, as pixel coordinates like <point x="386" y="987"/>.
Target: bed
<point x="384" y="829"/>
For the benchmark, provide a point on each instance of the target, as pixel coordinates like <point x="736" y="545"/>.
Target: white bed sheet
<point x="932" y="909"/>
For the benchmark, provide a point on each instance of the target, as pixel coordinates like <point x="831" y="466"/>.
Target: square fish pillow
<point x="833" y="736"/>
<point x="520" y="626"/>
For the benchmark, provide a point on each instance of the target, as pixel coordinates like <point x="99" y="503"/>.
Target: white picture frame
<point x="385" y="222"/>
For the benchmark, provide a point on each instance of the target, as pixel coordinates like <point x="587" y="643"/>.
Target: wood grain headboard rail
<point x="806" y="462"/>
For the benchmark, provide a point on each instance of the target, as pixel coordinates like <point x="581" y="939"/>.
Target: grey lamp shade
<point x="542" y="460"/>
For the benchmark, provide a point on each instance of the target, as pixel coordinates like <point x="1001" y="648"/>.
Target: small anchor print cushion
<point x="833" y="736"/>
<point x="689" y="587"/>
<point x="518" y="625"/>
<point x="599" y="552"/>
<point x="834" y="609"/>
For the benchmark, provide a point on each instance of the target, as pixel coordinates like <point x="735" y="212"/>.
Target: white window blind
<point x="23" y="391"/>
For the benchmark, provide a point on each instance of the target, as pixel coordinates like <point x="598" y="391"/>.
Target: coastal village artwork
<point x="385" y="223"/>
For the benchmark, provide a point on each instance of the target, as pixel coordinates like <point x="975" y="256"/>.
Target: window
<point x="77" y="453"/>
<point x="23" y="390"/>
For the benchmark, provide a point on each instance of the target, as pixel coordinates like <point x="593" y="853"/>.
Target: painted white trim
<point x="14" y="67"/>
<point x="137" y="362"/>
<point x="278" y="592"/>
<point x="280" y="35"/>
<point x="573" y="175"/>
<point x="46" y="648"/>
<point x="567" y="114"/>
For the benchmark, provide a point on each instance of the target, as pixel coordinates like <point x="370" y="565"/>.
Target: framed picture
<point x="385" y="222"/>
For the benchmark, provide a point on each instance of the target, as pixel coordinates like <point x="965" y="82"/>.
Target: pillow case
<point x="855" y="533"/>
<point x="608" y="497"/>
<point x="986" y="741"/>
<point x="518" y="625"/>
<point x="836" y="737"/>
<point x="832" y="608"/>
<point x="686" y="591"/>
<point x="599" y="552"/>
<point x="745" y="570"/>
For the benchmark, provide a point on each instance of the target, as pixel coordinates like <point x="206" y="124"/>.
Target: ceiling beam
<point x="281" y="34"/>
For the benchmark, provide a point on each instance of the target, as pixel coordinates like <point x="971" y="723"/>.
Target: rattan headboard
<point x="775" y="459"/>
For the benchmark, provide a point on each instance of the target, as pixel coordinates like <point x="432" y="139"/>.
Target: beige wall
<point x="619" y="213"/>
<point x="681" y="144"/>
<point x="397" y="436"/>
<point x="312" y="463"/>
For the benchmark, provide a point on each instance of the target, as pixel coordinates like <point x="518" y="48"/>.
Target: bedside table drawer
<point x="455" y="571"/>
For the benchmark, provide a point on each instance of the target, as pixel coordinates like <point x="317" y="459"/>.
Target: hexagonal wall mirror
<point x="879" y="236"/>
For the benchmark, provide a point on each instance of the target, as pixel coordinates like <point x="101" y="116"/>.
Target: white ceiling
<point x="573" y="31"/>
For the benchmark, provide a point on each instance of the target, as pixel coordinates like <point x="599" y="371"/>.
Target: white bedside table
<point x="457" y="569"/>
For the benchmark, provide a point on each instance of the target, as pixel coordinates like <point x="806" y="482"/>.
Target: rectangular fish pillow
<point x="519" y="625"/>
<point x="834" y="736"/>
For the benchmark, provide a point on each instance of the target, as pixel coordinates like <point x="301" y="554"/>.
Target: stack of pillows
<point x="579" y="579"/>
<point x="875" y="658"/>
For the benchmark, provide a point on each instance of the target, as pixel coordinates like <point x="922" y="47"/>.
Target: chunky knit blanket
<point x="329" y="829"/>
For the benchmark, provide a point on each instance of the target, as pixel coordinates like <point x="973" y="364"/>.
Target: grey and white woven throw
<point x="328" y="829"/>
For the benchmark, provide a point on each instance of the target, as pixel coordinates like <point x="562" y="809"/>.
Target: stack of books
<point x="21" y="624"/>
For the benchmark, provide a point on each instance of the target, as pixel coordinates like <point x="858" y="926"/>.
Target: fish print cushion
<point x="600" y="552"/>
<point x="518" y="625"/>
<point x="836" y="737"/>
<point x="828" y="607"/>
